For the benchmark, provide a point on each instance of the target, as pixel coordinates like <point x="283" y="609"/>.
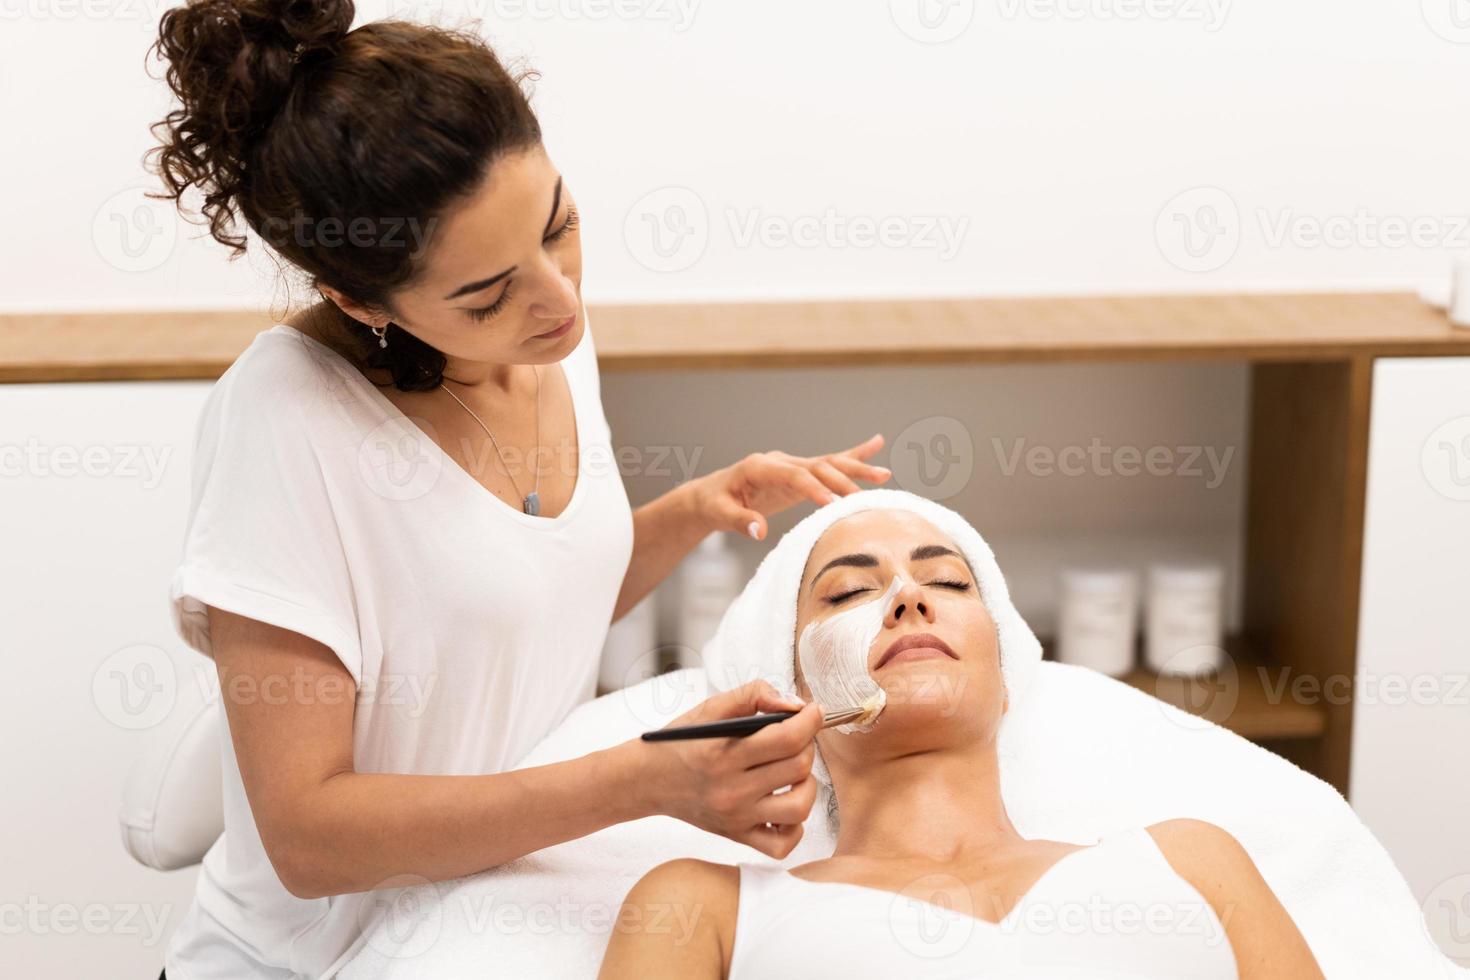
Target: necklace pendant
<point x="532" y="504"/>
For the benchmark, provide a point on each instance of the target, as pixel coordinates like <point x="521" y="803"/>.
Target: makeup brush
<point x="740" y="727"/>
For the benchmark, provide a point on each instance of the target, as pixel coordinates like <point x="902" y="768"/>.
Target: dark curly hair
<point x="338" y="147"/>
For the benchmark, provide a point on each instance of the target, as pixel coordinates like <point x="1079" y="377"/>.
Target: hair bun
<point x="232" y="65"/>
<point x="231" y="62"/>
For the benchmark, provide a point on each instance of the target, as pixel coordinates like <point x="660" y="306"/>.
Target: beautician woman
<point x="401" y="555"/>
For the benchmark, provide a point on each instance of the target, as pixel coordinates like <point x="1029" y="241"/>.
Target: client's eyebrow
<point x="862" y="560"/>
<point x="845" y="561"/>
<point x="925" y="552"/>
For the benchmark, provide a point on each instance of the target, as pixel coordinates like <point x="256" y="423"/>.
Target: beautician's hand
<point x="740" y="496"/>
<point x="726" y="785"/>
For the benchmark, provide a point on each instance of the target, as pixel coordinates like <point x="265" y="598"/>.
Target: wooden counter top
<point x="1258" y="327"/>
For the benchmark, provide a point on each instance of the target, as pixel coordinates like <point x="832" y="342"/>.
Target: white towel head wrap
<point x="756" y="637"/>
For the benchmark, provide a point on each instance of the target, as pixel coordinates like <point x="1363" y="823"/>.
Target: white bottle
<point x="710" y="580"/>
<point x="1185" y="619"/>
<point x="630" y="652"/>
<point x="1097" y="622"/>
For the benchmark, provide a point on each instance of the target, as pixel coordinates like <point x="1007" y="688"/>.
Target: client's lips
<point x="915" y="641"/>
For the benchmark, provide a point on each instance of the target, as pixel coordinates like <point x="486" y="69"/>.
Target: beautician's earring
<point x="382" y="334"/>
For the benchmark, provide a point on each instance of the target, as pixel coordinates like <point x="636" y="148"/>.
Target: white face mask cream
<point x="834" y="660"/>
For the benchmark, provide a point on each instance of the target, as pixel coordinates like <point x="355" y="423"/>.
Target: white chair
<point x="173" y="804"/>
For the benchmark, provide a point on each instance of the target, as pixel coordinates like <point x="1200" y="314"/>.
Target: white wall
<point x="1062" y="152"/>
<point x="1056" y="141"/>
<point x="1411" y="720"/>
<point x="94" y="491"/>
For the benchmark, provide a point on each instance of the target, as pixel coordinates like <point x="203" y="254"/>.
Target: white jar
<point x="1185" y="626"/>
<point x="711" y="578"/>
<point x="1097" y="620"/>
<point x="630" y="652"/>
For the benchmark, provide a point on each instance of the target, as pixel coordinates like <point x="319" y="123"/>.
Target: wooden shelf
<point x="1252" y="700"/>
<point x="150" y="345"/>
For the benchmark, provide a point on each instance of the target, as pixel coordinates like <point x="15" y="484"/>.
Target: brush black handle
<point x="729" y="728"/>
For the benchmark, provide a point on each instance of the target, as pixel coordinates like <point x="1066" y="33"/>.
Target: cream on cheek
<point x="834" y="659"/>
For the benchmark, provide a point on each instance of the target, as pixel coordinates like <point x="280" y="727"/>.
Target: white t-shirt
<point x="471" y="628"/>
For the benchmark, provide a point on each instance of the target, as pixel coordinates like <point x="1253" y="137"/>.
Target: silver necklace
<point x="531" y="502"/>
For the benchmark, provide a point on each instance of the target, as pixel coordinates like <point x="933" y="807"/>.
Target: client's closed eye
<point x="844" y="596"/>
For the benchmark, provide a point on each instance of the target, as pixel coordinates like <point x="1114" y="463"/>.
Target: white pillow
<point x="173" y="801"/>
<point x="1085" y="754"/>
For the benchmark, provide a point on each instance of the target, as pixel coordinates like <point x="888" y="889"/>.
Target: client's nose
<point x="909" y="602"/>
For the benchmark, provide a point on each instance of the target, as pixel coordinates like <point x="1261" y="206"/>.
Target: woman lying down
<point x="929" y="877"/>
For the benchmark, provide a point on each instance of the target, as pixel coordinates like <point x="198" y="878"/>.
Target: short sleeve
<point x="263" y="539"/>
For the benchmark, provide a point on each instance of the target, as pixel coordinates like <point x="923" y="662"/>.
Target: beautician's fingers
<point x="729" y="515"/>
<point x="776" y="842"/>
<point x="866" y="449"/>
<point x="834" y="479"/>
<point x="788" y="808"/>
<point x="771" y="776"/>
<point x="781" y="740"/>
<point x="751" y="698"/>
<point x="858" y="470"/>
<point x="799" y="480"/>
